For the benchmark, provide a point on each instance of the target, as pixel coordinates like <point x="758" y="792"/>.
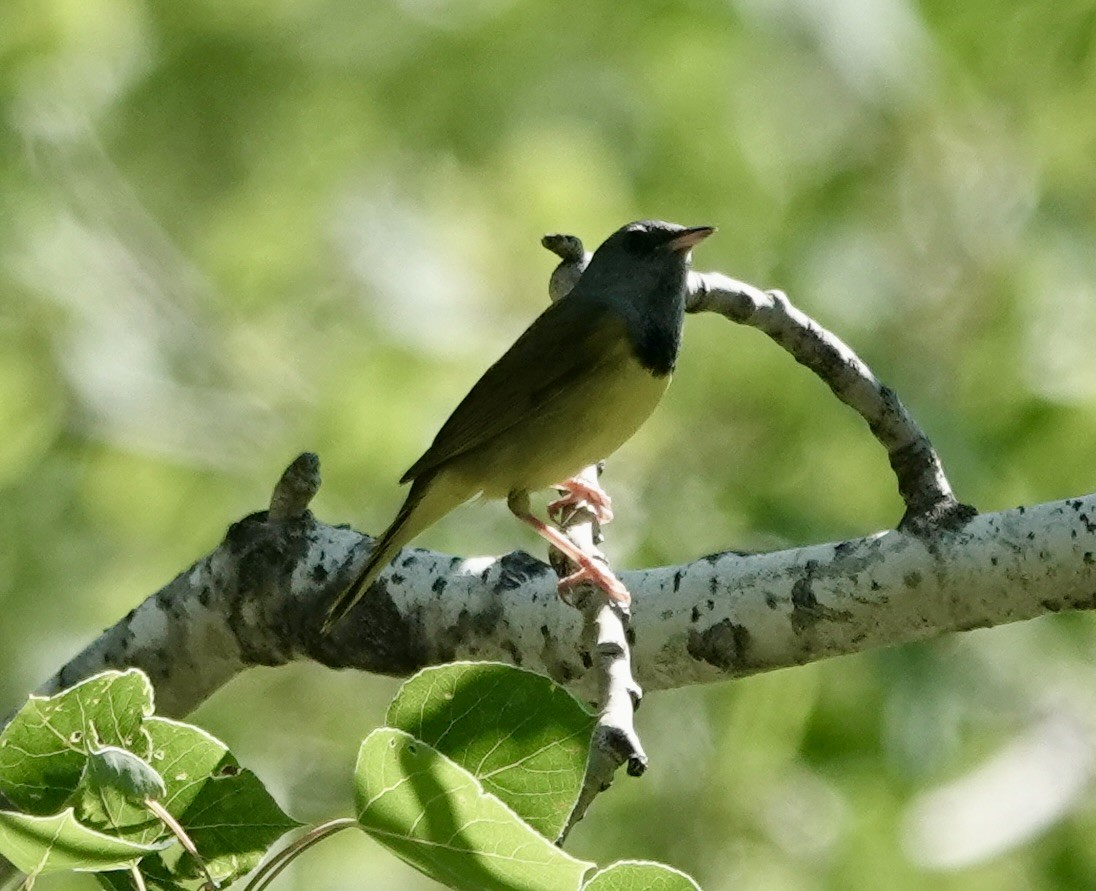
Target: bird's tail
<point x="425" y="505"/>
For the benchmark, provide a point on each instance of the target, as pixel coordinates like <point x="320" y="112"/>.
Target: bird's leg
<point x="589" y="569"/>
<point x="583" y="492"/>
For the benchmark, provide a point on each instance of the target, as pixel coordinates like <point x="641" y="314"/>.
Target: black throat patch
<point x="658" y="344"/>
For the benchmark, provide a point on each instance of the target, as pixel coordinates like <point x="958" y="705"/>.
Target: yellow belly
<point x="597" y="414"/>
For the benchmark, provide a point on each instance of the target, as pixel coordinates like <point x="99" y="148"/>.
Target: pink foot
<point x="592" y="572"/>
<point x="581" y="493"/>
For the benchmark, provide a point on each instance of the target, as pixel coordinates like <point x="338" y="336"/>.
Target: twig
<point x="930" y="502"/>
<point x="270" y="870"/>
<point x="605" y="648"/>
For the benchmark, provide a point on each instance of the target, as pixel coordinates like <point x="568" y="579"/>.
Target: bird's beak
<point x="690" y="238"/>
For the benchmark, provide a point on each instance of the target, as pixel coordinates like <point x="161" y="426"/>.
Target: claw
<point x="589" y="570"/>
<point x="592" y="572"/>
<point x="581" y="493"/>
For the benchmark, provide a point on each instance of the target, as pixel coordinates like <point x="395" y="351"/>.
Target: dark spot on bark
<point x="1031" y="536"/>
<point x="802" y="595"/>
<point x="544" y="631"/>
<point x="1020" y="509"/>
<point x="1051" y="606"/>
<point x="205" y="595"/>
<point x="875" y="586"/>
<point x="398" y="578"/>
<point x="439" y="584"/>
<point x="911" y="579"/>
<point x="586" y="659"/>
<point x="723" y="645"/>
<point x="1088" y="558"/>
<point x="711" y="605"/>
<point x="666" y="615"/>
<point x="841" y="548"/>
<point x="514" y="652"/>
<point x="319" y="572"/>
<point x="695" y="614"/>
<point x="770" y="600"/>
<point x="517" y="568"/>
<point x="974" y="623"/>
<point x="376" y="636"/>
<point x="677" y="580"/>
<point x="159" y="666"/>
<point x="713" y="584"/>
<point x="409" y="559"/>
<point x="243" y="532"/>
<point x="993" y="561"/>
<point x="1090" y="527"/>
<point x="806" y="610"/>
<point x="469" y="630"/>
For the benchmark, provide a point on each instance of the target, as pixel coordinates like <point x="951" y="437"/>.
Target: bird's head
<point x="656" y="240"/>
<point x="647" y="256"/>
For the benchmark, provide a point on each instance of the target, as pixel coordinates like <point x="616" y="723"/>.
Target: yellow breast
<point x="585" y="422"/>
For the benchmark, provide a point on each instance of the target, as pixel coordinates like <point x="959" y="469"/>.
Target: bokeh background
<point x="230" y="232"/>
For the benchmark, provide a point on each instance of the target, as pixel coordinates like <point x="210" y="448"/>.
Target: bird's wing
<point x="563" y="342"/>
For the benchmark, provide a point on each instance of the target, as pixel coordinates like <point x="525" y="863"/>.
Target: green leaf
<point x="521" y="734"/>
<point x="112" y="795"/>
<point x="186" y="757"/>
<point x="113" y="768"/>
<point x="37" y="844"/>
<point x="632" y="875"/>
<point x="225" y="809"/>
<point x="436" y="815"/>
<point x="44" y="748"/>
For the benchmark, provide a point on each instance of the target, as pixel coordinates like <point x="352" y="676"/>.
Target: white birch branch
<point x="259" y="598"/>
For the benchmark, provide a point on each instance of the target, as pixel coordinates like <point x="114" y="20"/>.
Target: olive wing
<point x="567" y="340"/>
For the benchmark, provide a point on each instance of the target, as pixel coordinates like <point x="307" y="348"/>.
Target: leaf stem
<point x="273" y="867"/>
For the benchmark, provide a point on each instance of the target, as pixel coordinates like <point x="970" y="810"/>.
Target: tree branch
<point x="259" y="598"/>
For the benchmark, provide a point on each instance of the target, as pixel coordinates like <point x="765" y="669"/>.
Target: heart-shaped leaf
<point x="436" y="815"/>
<point x="521" y="734"/>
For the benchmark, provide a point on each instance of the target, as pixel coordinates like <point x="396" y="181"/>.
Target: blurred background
<point x="230" y="232"/>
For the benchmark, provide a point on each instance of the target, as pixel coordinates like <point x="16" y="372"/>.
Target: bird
<point x="580" y="380"/>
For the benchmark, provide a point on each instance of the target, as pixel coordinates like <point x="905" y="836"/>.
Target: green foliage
<point x="478" y="763"/>
<point x="522" y="736"/>
<point x="117" y="771"/>
<point x="437" y="816"/>
<point x="61" y="730"/>
<point x="79" y="766"/>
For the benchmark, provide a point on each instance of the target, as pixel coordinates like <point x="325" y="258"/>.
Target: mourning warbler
<point x="574" y="386"/>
